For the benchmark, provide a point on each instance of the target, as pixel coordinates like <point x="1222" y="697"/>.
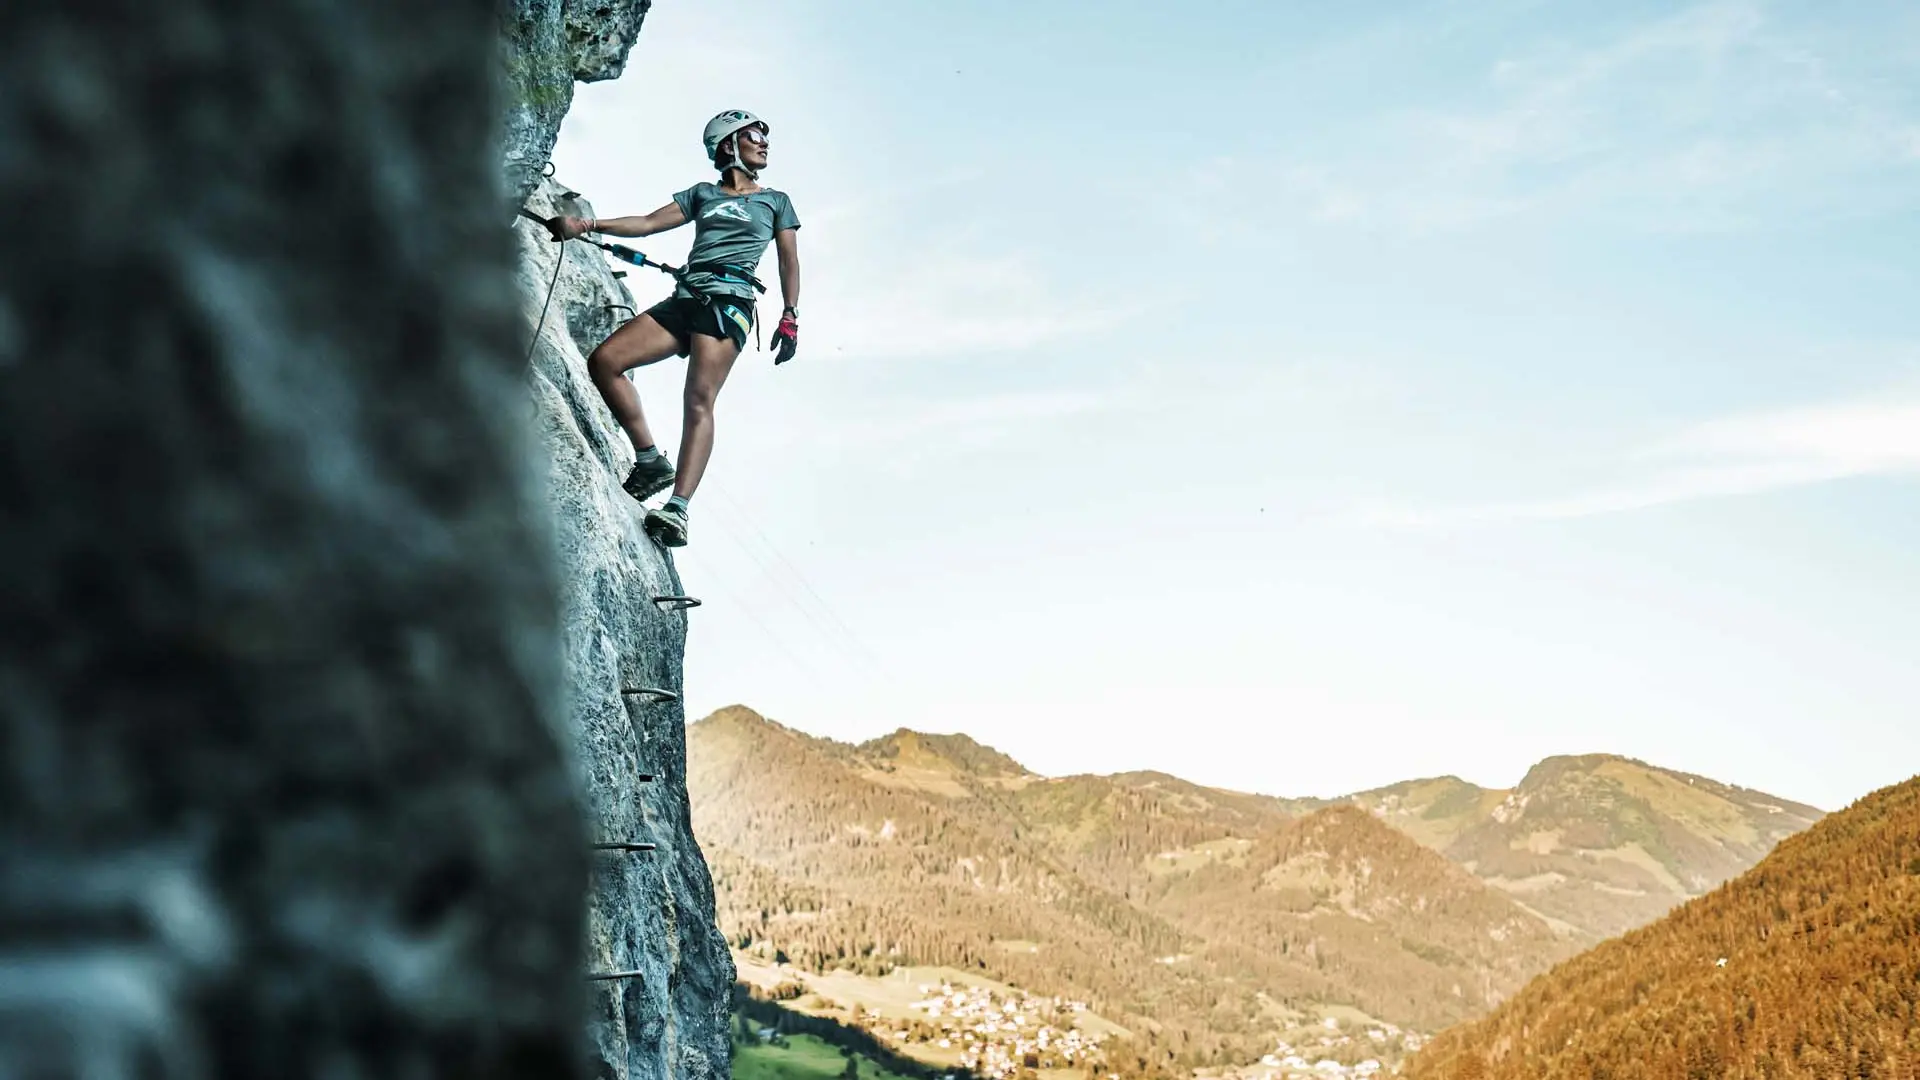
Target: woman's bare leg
<point x="712" y="358"/>
<point x="640" y="342"/>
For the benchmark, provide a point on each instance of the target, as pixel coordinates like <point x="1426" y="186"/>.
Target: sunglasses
<point x="754" y="136"/>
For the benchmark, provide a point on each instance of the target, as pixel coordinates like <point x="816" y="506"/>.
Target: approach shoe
<point x="668" y="526"/>
<point x="648" y="477"/>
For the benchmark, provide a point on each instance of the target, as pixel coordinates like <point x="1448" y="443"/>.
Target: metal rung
<point x="627" y="307"/>
<point x="676" y="603"/>
<point x="651" y="693"/>
<point x="626" y="847"/>
<point x="603" y="976"/>
<point x="619" y="273"/>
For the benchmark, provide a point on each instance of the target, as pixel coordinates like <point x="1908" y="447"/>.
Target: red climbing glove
<point x="786" y="338"/>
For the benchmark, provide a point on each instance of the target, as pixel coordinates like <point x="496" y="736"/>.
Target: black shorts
<point x="717" y="316"/>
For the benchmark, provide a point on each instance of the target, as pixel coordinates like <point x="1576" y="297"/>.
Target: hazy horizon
<point x="1390" y="394"/>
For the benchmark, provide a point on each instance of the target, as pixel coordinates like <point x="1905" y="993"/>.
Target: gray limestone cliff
<point x="317" y="600"/>
<point x="651" y="912"/>
<point x="286" y="788"/>
<point x="545" y="47"/>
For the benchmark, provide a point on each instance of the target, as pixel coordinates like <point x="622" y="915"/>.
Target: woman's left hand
<point x="786" y="338"/>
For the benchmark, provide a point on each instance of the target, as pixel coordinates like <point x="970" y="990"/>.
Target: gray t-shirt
<point x="731" y="229"/>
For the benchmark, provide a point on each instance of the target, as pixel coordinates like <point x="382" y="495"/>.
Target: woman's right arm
<point x="667" y="217"/>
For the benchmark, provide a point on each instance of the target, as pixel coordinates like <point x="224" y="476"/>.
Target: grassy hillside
<point x="1127" y="831"/>
<point x="1434" y="812"/>
<point x="1384" y="923"/>
<point x="1808" y="965"/>
<point x="818" y="864"/>
<point x="1203" y="921"/>
<point x="1596" y="843"/>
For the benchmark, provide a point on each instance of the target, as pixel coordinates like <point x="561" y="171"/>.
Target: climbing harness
<point x="725" y="272"/>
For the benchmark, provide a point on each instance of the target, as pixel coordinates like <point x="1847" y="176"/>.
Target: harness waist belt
<point x="725" y="270"/>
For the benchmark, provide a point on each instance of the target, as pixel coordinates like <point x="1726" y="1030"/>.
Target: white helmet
<point x="724" y="125"/>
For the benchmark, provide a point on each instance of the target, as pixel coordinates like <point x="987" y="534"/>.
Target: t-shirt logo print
<point x="735" y="210"/>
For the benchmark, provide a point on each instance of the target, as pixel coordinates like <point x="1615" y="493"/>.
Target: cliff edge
<point x="652" y="912"/>
<point x="545" y="47"/>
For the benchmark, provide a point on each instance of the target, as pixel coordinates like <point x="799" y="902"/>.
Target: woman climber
<point x="710" y="313"/>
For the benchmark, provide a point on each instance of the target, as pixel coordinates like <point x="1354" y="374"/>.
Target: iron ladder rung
<point x="651" y="693"/>
<point x="604" y="976"/>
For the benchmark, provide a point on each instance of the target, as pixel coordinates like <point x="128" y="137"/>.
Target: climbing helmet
<point x="724" y="125"/>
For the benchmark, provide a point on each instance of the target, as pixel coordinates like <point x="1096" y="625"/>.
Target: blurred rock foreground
<point x="310" y="704"/>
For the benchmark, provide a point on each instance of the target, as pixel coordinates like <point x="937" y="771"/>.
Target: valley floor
<point x="801" y="1057"/>
<point x="949" y="1019"/>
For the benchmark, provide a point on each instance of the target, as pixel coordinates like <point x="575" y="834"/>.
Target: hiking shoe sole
<point x="667" y="529"/>
<point x="643" y="481"/>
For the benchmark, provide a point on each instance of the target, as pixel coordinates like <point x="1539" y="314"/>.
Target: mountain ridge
<point x="1208" y="921"/>
<point x="1594" y="843"/>
<point x="1807" y="964"/>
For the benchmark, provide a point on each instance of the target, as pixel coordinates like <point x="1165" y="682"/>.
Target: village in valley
<point x="982" y="1028"/>
<point x="1330" y="1049"/>
<point x="998" y="1033"/>
<point x="1002" y="1033"/>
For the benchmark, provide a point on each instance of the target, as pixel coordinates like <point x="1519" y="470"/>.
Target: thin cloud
<point x="1738" y="455"/>
<point x="1714" y="117"/>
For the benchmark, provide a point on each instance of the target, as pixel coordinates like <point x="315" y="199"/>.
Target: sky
<point x="1300" y="400"/>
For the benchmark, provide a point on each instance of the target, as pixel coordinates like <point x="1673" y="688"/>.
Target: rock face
<point x="283" y="770"/>
<point x="652" y="912"/>
<point x="547" y="46"/>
